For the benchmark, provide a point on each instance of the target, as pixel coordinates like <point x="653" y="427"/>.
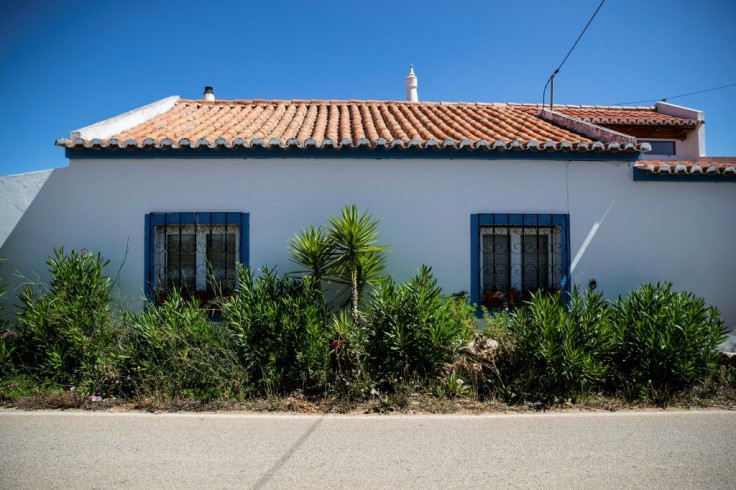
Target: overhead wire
<point x="580" y="36"/>
<point x="665" y="99"/>
<point x="544" y="92"/>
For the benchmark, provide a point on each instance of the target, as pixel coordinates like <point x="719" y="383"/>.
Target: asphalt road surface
<point x="599" y="450"/>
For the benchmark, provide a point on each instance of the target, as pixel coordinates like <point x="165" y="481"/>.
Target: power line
<point x="664" y="99"/>
<point x="544" y="92"/>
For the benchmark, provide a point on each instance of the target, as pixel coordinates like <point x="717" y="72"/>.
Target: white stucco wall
<point x="636" y="232"/>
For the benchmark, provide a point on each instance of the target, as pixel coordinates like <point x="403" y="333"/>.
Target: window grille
<point x="518" y="255"/>
<point x="194" y="253"/>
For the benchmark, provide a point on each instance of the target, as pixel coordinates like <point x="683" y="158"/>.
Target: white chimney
<point x="209" y="94"/>
<point x="411" y="86"/>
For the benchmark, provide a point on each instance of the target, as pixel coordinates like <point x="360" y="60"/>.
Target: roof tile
<point x="703" y="165"/>
<point x="356" y="123"/>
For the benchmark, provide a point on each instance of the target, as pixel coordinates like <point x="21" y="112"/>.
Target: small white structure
<point x="412" y="86"/>
<point x="499" y="199"/>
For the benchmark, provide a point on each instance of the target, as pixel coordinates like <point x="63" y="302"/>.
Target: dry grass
<point x="414" y="403"/>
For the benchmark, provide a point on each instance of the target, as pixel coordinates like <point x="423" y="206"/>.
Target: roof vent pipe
<point x="209" y="94"/>
<point x="411" y="86"/>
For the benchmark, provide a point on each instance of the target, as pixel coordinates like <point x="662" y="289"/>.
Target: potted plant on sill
<point x="514" y="297"/>
<point x="494" y="297"/>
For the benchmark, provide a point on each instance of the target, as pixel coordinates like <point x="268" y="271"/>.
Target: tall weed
<point x="7" y="338"/>
<point x="349" y="373"/>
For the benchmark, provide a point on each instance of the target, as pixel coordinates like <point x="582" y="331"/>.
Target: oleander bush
<point x="280" y="330"/>
<point x="414" y="330"/>
<point x="175" y="350"/>
<point x="666" y="341"/>
<point x="67" y="335"/>
<point x="555" y="351"/>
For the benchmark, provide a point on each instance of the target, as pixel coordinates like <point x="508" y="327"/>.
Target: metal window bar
<point x="529" y="252"/>
<point x="551" y="246"/>
<point x="198" y="258"/>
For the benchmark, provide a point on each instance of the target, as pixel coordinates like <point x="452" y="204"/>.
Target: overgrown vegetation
<point x="67" y="333"/>
<point x="174" y="350"/>
<point x="558" y="351"/>
<point x="7" y="339"/>
<point x="344" y="253"/>
<point x="278" y="337"/>
<point x="413" y="330"/>
<point x="279" y="329"/>
<point x="666" y="341"/>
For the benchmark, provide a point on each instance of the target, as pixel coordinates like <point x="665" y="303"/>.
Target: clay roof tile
<point x="372" y="123"/>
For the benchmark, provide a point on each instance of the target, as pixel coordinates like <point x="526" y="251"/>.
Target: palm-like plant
<point x="345" y="253"/>
<point x="312" y="249"/>
<point x="357" y="257"/>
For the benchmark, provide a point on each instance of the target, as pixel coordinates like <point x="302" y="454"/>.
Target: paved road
<point x="620" y="450"/>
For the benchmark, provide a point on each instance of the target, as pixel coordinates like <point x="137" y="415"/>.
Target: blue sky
<point x="66" y="65"/>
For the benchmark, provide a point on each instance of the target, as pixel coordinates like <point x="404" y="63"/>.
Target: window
<point x="661" y="147"/>
<point x="517" y="254"/>
<point x="195" y="253"/>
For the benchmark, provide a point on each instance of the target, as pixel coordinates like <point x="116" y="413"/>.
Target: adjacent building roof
<point x="702" y="166"/>
<point x="182" y="123"/>
<point x="628" y="116"/>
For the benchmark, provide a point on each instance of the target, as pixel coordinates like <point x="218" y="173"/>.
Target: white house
<point x="497" y="198"/>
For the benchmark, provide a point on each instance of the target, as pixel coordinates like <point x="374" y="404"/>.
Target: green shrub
<point x="555" y="351"/>
<point x="667" y="341"/>
<point x="7" y="339"/>
<point x="67" y="335"/>
<point x="175" y="350"/>
<point x="280" y="329"/>
<point x="348" y="373"/>
<point x="413" y="330"/>
<point x="8" y="346"/>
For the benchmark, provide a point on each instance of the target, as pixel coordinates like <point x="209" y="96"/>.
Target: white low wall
<point x="623" y="233"/>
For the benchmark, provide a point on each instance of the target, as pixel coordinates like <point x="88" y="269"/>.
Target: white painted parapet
<point x="114" y="125"/>
<point x="694" y="145"/>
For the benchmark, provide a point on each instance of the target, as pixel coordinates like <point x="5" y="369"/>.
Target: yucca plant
<point x="312" y="249"/>
<point x="345" y="253"/>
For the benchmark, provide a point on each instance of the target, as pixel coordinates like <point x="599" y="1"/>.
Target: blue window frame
<point x="515" y="255"/>
<point x="195" y="253"/>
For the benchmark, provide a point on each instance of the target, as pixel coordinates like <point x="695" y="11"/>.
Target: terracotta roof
<point x="644" y="116"/>
<point x="701" y="166"/>
<point x="352" y="124"/>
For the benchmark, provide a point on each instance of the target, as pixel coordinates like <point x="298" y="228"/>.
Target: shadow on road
<point x="285" y="457"/>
